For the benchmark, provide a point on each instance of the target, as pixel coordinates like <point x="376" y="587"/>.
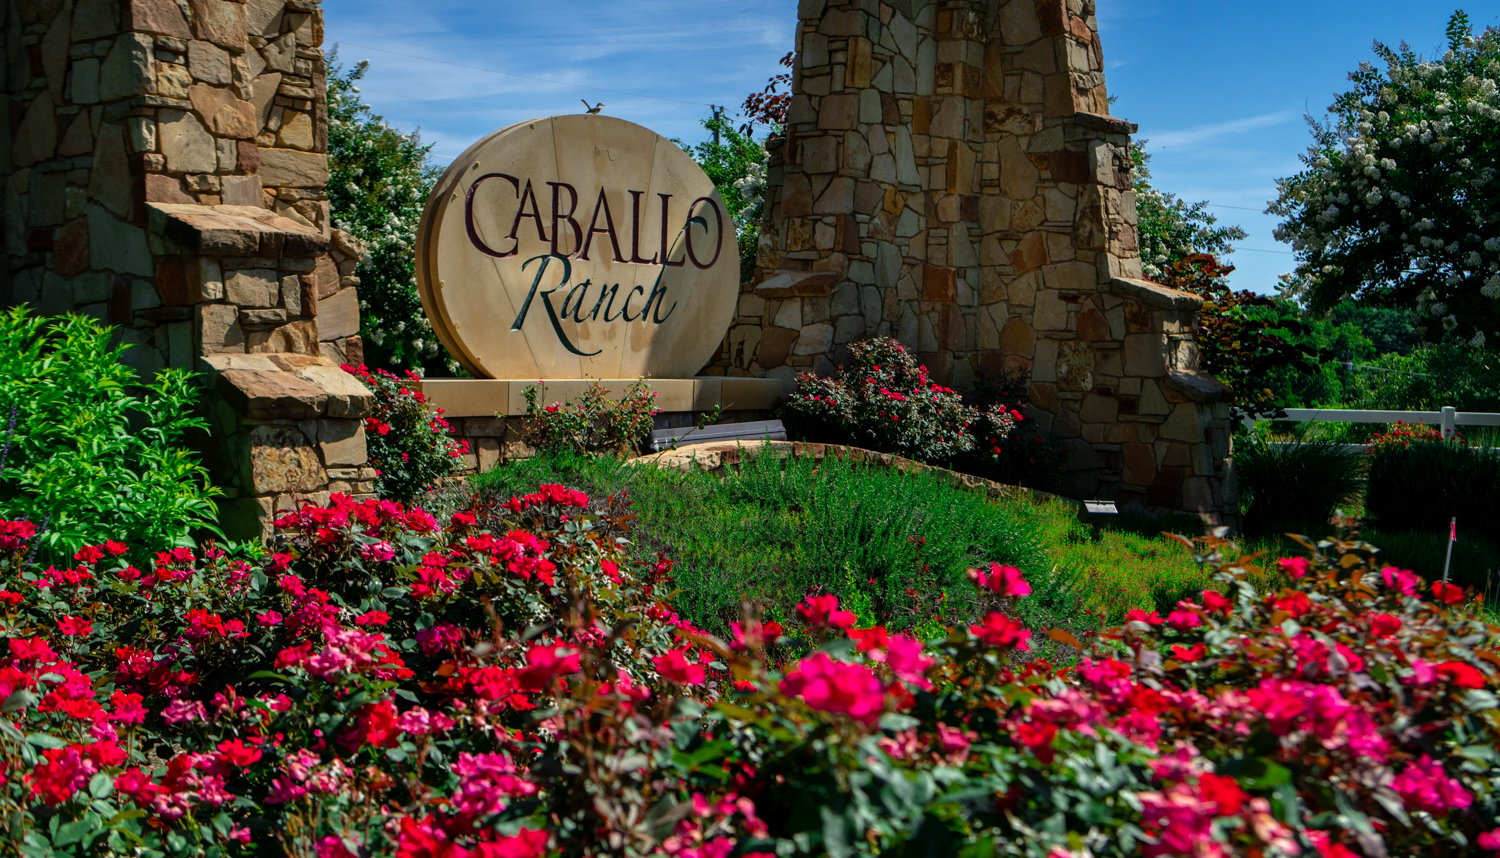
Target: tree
<point x="1244" y="338"/>
<point x="1172" y="229"/>
<point x="736" y="163"/>
<point x="768" y="107"/>
<point x="1343" y="348"/>
<point x="1399" y="200"/>
<point x="378" y="182"/>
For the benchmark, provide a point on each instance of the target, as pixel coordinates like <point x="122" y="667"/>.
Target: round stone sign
<point x="577" y="246"/>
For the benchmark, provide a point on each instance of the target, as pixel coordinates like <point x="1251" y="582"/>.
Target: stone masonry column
<point x="164" y="170"/>
<point x="949" y="175"/>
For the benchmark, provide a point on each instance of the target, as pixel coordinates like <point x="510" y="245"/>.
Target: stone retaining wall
<point x="494" y="440"/>
<point x="721" y="455"/>
<point x="949" y="175"/>
<point x="163" y="169"/>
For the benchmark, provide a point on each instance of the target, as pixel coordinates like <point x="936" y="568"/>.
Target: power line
<point x="589" y="87"/>
<point x="1263" y="250"/>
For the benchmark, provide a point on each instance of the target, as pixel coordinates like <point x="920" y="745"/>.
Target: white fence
<point x="1449" y="419"/>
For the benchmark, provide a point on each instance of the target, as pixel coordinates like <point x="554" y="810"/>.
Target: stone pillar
<point x="949" y="175"/>
<point x="165" y="171"/>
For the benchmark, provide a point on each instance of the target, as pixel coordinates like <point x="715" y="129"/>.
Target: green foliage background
<point x="85" y="452"/>
<point x="736" y="162"/>
<point x="378" y="182"/>
<point x="1397" y="203"/>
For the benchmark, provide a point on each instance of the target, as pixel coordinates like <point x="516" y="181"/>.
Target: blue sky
<point x="1218" y="88"/>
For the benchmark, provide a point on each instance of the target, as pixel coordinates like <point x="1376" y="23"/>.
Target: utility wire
<point x="1262" y="250"/>
<point x="588" y="86"/>
<point x="1237" y="208"/>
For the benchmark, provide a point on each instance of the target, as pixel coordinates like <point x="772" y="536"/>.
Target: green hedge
<point x="1422" y="485"/>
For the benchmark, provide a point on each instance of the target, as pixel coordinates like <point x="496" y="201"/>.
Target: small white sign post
<point x="1452" y="538"/>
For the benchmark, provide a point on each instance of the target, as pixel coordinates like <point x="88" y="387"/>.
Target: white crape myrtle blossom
<point x="1399" y="199"/>
<point x="378" y="182"/>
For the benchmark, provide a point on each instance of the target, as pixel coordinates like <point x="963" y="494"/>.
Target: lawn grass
<point x="895" y="547"/>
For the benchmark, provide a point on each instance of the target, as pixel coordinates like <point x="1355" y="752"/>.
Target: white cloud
<point x="1197" y="134"/>
<point x="461" y="68"/>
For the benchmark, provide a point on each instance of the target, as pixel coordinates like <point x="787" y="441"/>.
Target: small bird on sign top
<point x="593" y="108"/>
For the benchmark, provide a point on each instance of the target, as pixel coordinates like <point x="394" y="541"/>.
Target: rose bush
<point x="595" y="423"/>
<point x="410" y="444"/>
<point x="374" y="686"/>
<point x="506" y="683"/>
<point x="882" y="399"/>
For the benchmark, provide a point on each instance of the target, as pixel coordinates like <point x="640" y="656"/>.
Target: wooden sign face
<point x="577" y="246"/>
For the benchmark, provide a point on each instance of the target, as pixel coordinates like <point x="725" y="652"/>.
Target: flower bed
<point x="507" y="683"/>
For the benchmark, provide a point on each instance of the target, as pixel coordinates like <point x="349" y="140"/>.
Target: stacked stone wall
<point x="949" y="175"/>
<point x="164" y="171"/>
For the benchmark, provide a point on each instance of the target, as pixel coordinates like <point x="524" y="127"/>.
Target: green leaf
<point x="18" y="700"/>
<point x="1272" y="774"/>
<point x="738" y="713"/>
<point x="101" y="785"/>
<point x="270" y="674"/>
<point x="1480" y="700"/>
<point x="835" y="832"/>
<point x="124" y="816"/>
<point x="1392" y="803"/>
<point x="75" y="831"/>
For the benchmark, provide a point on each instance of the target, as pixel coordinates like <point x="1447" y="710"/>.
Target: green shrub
<point x="594" y="424"/>
<point x="85" y="452"/>
<point x="1082" y="577"/>
<point x="410" y="445"/>
<point x="1421" y="481"/>
<point x="389" y="683"/>
<point x="1293" y="485"/>
<point x="883" y="400"/>
<point x="1460" y="375"/>
<point x="379" y="179"/>
<point x="736" y="163"/>
<point x="599" y="476"/>
<point x="1121" y="571"/>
